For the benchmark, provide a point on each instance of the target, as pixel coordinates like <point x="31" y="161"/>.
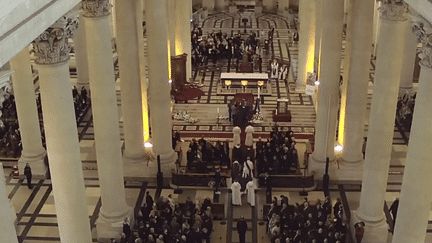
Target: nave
<point x="36" y="212"/>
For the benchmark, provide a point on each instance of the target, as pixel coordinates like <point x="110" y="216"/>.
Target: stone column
<point x="183" y="14"/>
<point x="7" y="224"/>
<point x="172" y="24"/>
<point x="283" y="5"/>
<point x="219" y="5"/>
<point x="306" y="42"/>
<point x="407" y="72"/>
<point x="357" y="81"/>
<point x="318" y="30"/>
<point x="376" y="26"/>
<point x="414" y="205"/>
<point x="61" y="132"/>
<point x="80" y="47"/>
<point x="269" y="4"/>
<point x="382" y="120"/>
<point x="105" y="118"/>
<point x="413" y="215"/>
<point x="209" y="4"/>
<point x="128" y="56"/>
<point x="28" y="119"/>
<point x="328" y="92"/>
<point x="159" y="88"/>
<point x="143" y="70"/>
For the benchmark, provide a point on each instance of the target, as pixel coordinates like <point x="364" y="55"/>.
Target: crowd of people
<point x="202" y="154"/>
<point x="306" y="222"/>
<point x="240" y="113"/>
<point x="166" y="221"/>
<point x="405" y="110"/>
<point x="10" y="137"/>
<point x="218" y="45"/>
<point x="278" y="155"/>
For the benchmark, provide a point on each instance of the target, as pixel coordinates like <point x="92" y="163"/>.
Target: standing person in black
<point x="241" y="229"/>
<point x="28" y="174"/>
<point x="149" y="201"/>
<point x="394" y="209"/>
<point x="336" y="207"/>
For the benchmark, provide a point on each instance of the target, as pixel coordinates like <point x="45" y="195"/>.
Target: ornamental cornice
<point x="95" y="8"/>
<point x="424" y="36"/>
<point x="394" y="10"/>
<point x="52" y="46"/>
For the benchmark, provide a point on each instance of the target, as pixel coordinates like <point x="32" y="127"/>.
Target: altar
<point x="231" y="83"/>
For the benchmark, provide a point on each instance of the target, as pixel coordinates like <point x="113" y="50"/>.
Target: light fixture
<point x="170" y="81"/>
<point x="338" y="148"/>
<point x="227" y="82"/>
<point x="260" y="83"/>
<point x="244" y="82"/>
<point x="148" y="145"/>
<point x="317" y="83"/>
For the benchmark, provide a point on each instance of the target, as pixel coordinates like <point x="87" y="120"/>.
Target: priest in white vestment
<point x="236" y="136"/>
<point x="248" y="168"/>
<point x="236" y="194"/>
<point x="250" y="187"/>
<point x="249" y="136"/>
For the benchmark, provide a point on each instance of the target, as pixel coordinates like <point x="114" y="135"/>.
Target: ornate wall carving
<point x="394" y="10"/>
<point x="95" y="8"/>
<point x="52" y="46"/>
<point x="424" y="35"/>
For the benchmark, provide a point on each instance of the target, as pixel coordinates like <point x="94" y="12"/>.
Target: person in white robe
<point x="250" y="187"/>
<point x="274" y="69"/>
<point x="236" y="194"/>
<point x="236" y="136"/>
<point x="284" y="72"/>
<point x="249" y="136"/>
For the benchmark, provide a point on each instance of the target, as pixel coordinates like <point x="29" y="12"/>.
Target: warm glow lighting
<point x="317" y="83"/>
<point x="170" y="81"/>
<point x="227" y="82"/>
<point x="260" y="83"/>
<point x="148" y="145"/>
<point x="244" y="82"/>
<point x="338" y="148"/>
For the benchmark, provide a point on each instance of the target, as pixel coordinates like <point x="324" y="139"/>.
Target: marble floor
<point x="35" y="208"/>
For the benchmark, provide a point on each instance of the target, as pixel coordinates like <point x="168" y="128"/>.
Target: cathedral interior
<point x="269" y="112"/>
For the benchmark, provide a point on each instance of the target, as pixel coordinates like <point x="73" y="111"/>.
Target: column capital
<point x="394" y="10"/>
<point x="95" y="8"/>
<point x="424" y="34"/>
<point x="52" y="46"/>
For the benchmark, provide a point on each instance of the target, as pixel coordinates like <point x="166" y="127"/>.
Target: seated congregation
<point x="305" y="222"/>
<point x="166" y="221"/>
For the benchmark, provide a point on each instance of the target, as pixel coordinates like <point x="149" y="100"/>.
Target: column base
<point x="374" y="232"/>
<point x="258" y="9"/>
<point x="232" y="9"/>
<point x="36" y="164"/>
<point x="348" y="172"/>
<point x="405" y="90"/>
<point x="130" y="157"/>
<point x="300" y="88"/>
<point x="107" y="229"/>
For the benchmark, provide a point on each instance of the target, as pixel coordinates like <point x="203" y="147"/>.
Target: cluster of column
<point x="105" y="116"/>
<point x="352" y="118"/>
<point x="183" y="14"/>
<point x="414" y="205"/>
<point x="159" y="87"/>
<point x="307" y="33"/>
<point x="129" y="67"/>
<point x="393" y="26"/>
<point x="28" y="118"/>
<point x="63" y="148"/>
<point x="328" y="95"/>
